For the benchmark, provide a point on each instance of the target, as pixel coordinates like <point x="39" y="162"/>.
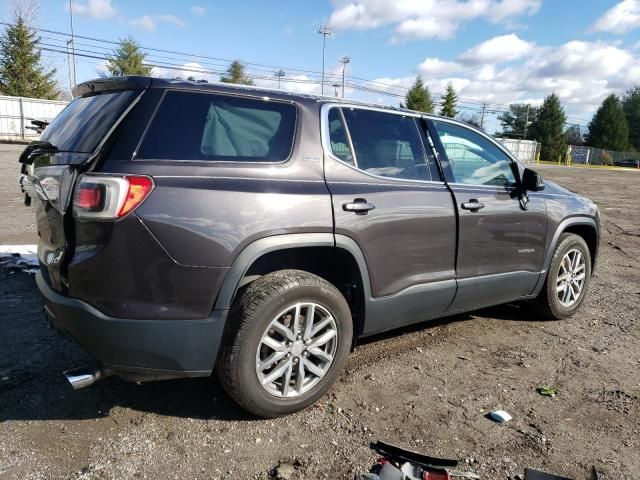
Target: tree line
<point x="614" y="126"/>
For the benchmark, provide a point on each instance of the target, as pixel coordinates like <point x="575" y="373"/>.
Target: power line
<point x="254" y="65"/>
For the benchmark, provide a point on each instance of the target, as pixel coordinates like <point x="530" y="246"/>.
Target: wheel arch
<point x="337" y="259"/>
<point x="583" y="226"/>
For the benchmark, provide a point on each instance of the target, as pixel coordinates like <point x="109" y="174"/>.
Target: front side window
<point x="384" y="144"/>
<point x="202" y="126"/>
<point x="474" y="159"/>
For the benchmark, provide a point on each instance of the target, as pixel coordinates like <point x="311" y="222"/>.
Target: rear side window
<point x="338" y="137"/>
<point x="387" y="144"/>
<point x="86" y="120"/>
<point x="203" y="126"/>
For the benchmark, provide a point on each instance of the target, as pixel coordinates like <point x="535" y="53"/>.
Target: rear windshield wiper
<point x="34" y="149"/>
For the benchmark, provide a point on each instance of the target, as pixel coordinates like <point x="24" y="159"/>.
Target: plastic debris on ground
<point x="19" y="258"/>
<point x="401" y="464"/>
<point x="547" y="391"/>
<point x="499" y="416"/>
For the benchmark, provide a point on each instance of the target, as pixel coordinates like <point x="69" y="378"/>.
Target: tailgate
<point x="51" y="167"/>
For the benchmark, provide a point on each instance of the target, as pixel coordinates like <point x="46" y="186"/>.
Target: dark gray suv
<point x="188" y="227"/>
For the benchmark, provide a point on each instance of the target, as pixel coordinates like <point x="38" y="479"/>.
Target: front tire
<point x="568" y="278"/>
<point x="288" y="336"/>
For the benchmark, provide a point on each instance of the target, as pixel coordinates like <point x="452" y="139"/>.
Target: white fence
<point x="523" y="150"/>
<point x="16" y="114"/>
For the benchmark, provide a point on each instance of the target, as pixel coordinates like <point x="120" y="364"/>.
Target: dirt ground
<point x="427" y="388"/>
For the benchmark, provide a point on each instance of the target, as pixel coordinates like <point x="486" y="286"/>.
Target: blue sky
<point x="499" y="51"/>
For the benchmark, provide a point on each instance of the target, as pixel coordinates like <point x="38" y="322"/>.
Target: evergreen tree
<point x="449" y="102"/>
<point x="127" y="59"/>
<point x="608" y="128"/>
<point x="419" y="97"/>
<point x="548" y="128"/>
<point x="21" y="71"/>
<point x="236" y="74"/>
<point x="515" y="119"/>
<point x="631" y="107"/>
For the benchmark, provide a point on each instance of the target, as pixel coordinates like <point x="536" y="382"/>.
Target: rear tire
<point x="567" y="280"/>
<point x="273" y="361"/>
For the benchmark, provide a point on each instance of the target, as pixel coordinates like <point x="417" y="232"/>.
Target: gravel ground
<point x="17" y="223"/>
<point x="427" y="388"/>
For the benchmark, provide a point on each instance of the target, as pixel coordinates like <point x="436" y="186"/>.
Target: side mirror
<point x="532" y="181"/>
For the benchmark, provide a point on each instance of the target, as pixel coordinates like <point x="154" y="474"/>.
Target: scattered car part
<point x="401" y="455"/>
<point x="531" y="474"/>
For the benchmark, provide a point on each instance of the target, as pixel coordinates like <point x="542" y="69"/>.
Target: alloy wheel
<point x="571" y="278"/>
<point x="296" y="350"/>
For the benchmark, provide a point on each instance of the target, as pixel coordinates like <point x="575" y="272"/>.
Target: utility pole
<point x="325" y="31"/>
<point x="73" y="47"/>
<point x="279" y="75"/>
<point x="484" y="109"/>
<point x="526" y="123"/>
<point x="69" y="63"/>
<point x="344" y="60"/>
<point x="336" y="86"/>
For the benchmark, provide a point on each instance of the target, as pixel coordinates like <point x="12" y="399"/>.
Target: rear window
<point x="203" y="126"/>
<point x="86" y="120"/>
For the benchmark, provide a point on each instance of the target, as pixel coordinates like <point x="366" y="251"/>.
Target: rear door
<point x="389" y="198"/>
<point x="52" y="166"/>
<point x="501" y="239"/>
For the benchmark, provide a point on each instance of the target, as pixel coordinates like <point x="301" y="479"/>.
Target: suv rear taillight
<point x="110" y="197"/>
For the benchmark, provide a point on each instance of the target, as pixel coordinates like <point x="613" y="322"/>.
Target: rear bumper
<point x="138" y="349"/>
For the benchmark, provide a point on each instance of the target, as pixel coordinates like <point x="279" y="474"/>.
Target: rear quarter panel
<point x="206" y="213"/>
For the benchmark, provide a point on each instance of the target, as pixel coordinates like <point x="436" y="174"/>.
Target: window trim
<point x="294" y="142"/>
<point x="325" y="137"/>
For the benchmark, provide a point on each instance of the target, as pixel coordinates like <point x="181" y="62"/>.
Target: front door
<point x="389" y="198"/>
<point x="501" y="239"/>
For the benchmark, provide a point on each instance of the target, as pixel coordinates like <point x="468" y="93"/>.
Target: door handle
<point x="473" y="205"/>
<point x="359" y="206"/>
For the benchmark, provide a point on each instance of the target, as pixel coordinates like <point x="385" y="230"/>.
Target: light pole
<point x="336" y="86"/>
<point x="325" y="31"/>
<point x="344" y="60"/>
<point x="279" y="75"/>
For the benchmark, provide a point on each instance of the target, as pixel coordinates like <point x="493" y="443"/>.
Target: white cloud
<point x="420" y="19"/>
<point x="149" y="22"/>
<point x="622" y="18"/>
<point x="101" y="68"/>
<point x="504" y="48"/>
<point x="145" y="23"/>
<point x="508" y="9"/>
<point x="437" y="67"/>
<point x="186" y="70"/>
<point x="172" y="19"/>
<point x="100" y="9"/>
<point x="198" y="10"/>
<point x="581" y="73"/>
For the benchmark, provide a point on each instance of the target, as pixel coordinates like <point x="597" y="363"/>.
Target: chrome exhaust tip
<point x="82" y="377"/>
